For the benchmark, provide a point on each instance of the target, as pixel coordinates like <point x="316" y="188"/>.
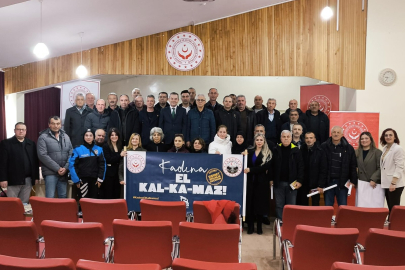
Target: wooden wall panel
<point x="283" y="40"/>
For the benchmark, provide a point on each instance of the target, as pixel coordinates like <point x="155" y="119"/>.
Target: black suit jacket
<point x="74" y="124"/>
<point x="12" y="161"/>
<point x="147" y="124"/>
<point x="171" y="126"/>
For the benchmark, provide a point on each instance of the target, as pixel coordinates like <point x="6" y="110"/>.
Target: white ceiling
<point x="102" y="21"/>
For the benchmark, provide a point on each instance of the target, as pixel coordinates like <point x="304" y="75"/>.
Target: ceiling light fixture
<point x="326" y="13"/>
<point x="81" y="70"/>
<point x="41" y="50"/>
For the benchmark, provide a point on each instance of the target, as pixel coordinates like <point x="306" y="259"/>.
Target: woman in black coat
<point x="258" y="182"/>
<point x="111" y="188"/>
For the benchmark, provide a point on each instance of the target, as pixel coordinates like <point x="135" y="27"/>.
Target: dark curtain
<point x="3" y="132"/>
<point x="38" y="107"/>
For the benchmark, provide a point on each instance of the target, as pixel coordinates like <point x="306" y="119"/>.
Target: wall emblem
<point x="352" y="130"/>
<point x="184" y="51"/>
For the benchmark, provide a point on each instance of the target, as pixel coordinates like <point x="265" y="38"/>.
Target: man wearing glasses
<point x="19" y="169"/>
<point x="201" y="123"/>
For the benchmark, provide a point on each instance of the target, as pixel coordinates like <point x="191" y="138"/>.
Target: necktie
<point x="173" y="112"/>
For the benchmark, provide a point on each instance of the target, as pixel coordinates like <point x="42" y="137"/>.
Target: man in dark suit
<point x="173" y="119"/>
<point x="270" y="119"/>
<point x="149" y="119"/>
<point x="74" y="120"/>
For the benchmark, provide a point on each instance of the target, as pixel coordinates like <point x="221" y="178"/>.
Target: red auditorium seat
<point x="186" y="264"/>
<point x="143" y="242"/>
<point x="361" y="218"/>
<point x="351" y="266"/>
<point x="209" y="242"/>
<point x="385" y="247"/>
<point x="201" y="214"/>
<point x="164" y="211"/>
<point x="104" y="212"/>
<point x="18" y="239"/>
<point x="74" y="240"/>
<point x="397" y="218"/>
<point x="12" y="209"/>
<point x="13" y="263"/>
<point x="319" y="248"/>
<point x="294" y="215"/>
<point x="90" y="265"/>
<point x="53" y="209"/>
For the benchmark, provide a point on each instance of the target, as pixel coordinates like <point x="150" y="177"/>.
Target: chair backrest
<point x="53" y="209"/>
<point x="143" y="242"/>
<point x="397" y="218"/>
<point x="351" y="266"/>
<point x="361" y="218"/>
<point x="294" y="215"/>
<point x="90" y="265"/>
<point x="12" y="209"/>
<point x="186" y="264"/>
<point x="209" y="242"/>
<point x="14" y="263"/>
<point x="104" y="212"/>
<point x="385" y="247"/>
<point x="18" y="239"/>
<point x="74" y="240"/>
<point x="201" y="214"/>
<point x="164" y="211"/>
<point x="319" y="248"/>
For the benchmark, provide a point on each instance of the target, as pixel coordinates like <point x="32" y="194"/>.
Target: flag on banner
<point x="183" y="177"/>
<point x="354" y="123"/>
<point x="70" y="90"/>
<point x="326" y="94"/>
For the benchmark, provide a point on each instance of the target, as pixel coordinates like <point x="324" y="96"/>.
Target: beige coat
<point x="369" y="168"/>
<point x="393" y="166"/>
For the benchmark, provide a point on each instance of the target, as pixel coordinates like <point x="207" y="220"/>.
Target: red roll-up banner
<point x="326" y="94"/>
<point x="354" y="123"/>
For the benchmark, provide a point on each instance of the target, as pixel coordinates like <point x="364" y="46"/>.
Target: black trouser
<point x="89" y="188"/>
<point x="393" y="198"/>
<point x="110" y="188"/>
<point x="302" y="198"/>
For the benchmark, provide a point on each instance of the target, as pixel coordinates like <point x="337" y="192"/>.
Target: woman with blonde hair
<point x="258" y="182"/>
<point x="135" y="143"/>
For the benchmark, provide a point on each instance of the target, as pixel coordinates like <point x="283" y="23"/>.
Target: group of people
<point x="291" y="151"/>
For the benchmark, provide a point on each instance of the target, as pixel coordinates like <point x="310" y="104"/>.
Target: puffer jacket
<point x="95" y="120"/>
<point x="87" y="162"/>
<point x="52" y="153"/>
<point x="223" y="146"/>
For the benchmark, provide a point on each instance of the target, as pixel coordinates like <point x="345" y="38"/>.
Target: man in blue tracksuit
<point x="87" y="167"/>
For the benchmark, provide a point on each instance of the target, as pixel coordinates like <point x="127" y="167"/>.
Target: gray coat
<point x="74" y="124"/>
<point x="95" y="120"/>
<point x="369" y="169"/>
<point x="52" y="153"/>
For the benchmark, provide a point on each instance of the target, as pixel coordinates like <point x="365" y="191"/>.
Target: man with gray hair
<point x="212" y="103"/>
<point x="98" y="118"/>
<point x="341" y="167"/>
<point x="288" y="172"/>
<point x="247" y="119"/>
<point x="90" y="98"/>
<point x="200" y="123"/>
<point x="54" y="150"/>
<point x="74" y="120"/>
<point x="112" y="99"/>
<point x="270" y="119"/>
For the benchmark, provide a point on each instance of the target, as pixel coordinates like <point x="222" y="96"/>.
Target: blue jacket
<point x="86" y="162"/>
<point x="171" y="126"/>
<point x="201" y="125"/>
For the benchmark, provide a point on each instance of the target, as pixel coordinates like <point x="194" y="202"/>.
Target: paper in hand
<point x="292" y="185"/>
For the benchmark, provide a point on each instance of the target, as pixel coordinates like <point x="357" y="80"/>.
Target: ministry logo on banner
<point x="184" y="51"/>
<point x="352" y="130"/>
<point x="325" y="105"/>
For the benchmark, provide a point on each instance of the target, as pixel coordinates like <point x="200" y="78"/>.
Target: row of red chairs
<point x="324" y="244"/>
<point x="13" y="263"/>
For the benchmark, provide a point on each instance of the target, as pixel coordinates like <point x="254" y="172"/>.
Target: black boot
<point x="259" y="225"/>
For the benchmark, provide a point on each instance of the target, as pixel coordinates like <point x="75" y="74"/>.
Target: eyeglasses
<point x="200" y="100"/>
<point x="20" y="129"/>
